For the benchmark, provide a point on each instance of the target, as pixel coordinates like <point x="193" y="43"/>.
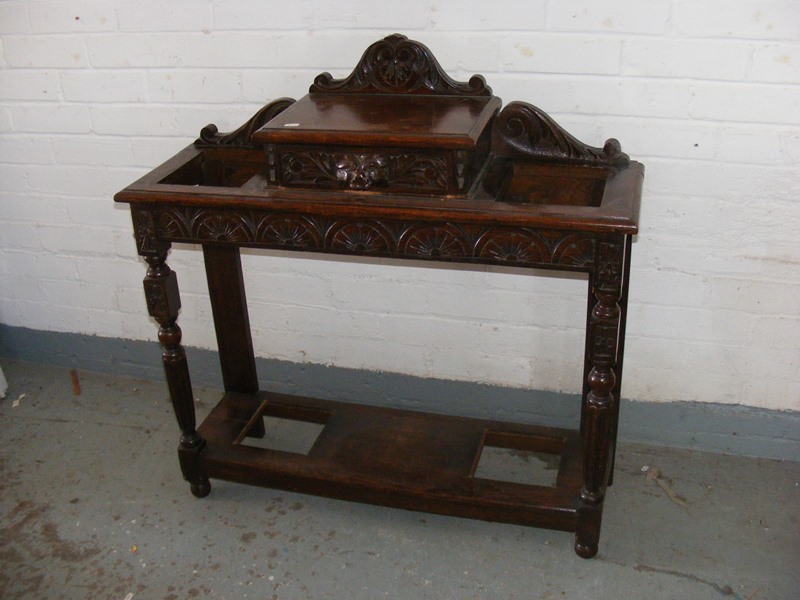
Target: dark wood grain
<point x="231" y="321"/>
<point x="415" y="461"/>
<point x="163" y="304"/>
<point x="229" y="309"/>
<point x="419" y="121"/>
<point x="399" y="161"/>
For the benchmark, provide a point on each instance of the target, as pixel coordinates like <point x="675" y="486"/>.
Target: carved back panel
<point x="397" y="65"/>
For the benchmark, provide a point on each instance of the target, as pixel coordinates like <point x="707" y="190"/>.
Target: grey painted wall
<point x="731" y="429"/>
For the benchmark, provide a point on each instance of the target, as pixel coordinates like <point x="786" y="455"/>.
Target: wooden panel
<point x="395" y="458"/>
<point x="232" y="324"/>
<point x="417" y="122"/>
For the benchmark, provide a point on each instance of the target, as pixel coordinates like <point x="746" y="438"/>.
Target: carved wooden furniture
<point x="396" y="160"/>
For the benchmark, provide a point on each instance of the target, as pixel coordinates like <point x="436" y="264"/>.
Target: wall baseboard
<point x="729" y="429"/>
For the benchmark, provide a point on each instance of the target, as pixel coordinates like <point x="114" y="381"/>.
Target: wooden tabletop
<point x="382" y="120"/>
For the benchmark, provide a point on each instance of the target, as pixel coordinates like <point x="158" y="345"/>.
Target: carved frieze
<point x="222" y="227"/>
<point x="574" y="249"/>
<point x="513" y="246"/>
<point x="415" y="171"/>
<point x="308" y="168"/>
<point x="436" y="241"/>
<point x="361" y="237"/>
<point x="288" y="231"/>
<point x="381" y="237"/>
<point x="405" y="172"/>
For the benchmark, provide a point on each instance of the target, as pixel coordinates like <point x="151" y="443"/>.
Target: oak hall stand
<point x="396" y="160"/>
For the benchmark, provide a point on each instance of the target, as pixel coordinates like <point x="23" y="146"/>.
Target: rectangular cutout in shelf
<point x="520" y="458"/>
<point x="286" y="435"/>
<point x="391" y="457"/>
<point x="518" y="466"/>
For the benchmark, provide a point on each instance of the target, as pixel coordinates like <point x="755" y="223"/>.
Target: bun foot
<point x="202" y="489"/>
<point x="585" y="550"/>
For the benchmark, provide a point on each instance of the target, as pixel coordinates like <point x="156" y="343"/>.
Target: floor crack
<point x="724" y="590"/>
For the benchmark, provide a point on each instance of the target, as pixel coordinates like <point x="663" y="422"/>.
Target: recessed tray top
<point x="382" y="119"/>
<point x="396" y="139"/>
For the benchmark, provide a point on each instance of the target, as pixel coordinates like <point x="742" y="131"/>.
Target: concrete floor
<point x="92" y="505"/>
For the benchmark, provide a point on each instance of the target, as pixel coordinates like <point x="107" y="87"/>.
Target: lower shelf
<point x="391" y="457"/>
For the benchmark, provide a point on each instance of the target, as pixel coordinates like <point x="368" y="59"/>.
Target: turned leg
<point x="599" y="402"/>
<point x="623" y="318"/>
<point x="163" y="304"/>
<point x="587" y="355"/>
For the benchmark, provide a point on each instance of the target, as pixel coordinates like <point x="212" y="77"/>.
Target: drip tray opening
<point x="286" y="435"/>
<point x="519" y="459"/>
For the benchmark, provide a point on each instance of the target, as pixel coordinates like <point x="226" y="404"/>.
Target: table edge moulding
<point x="397" y="160"/>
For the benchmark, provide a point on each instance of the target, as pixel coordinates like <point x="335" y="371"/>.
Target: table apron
<point x="447" y="241"/>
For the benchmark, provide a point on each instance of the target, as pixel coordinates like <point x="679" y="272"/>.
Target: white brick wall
<point x="705" y="92"/>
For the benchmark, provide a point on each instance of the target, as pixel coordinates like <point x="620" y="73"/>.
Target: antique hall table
<point x="396" y="160"/>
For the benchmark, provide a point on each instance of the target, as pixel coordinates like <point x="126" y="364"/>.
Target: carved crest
<point x="242" y="137"/>
<point x="522" y="130"/>
<point x="397" y="65"/>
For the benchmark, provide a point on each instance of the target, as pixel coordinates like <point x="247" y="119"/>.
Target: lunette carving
<point x="288" y="231"/>
<point x="513" y="246"/>
<point x="361" y="237"/>
<point x="574" y="249"/>
<point x="242" y="137"/>
<point x="523" y="130"/>
<point x="525" y="246"/>
<point x="172" y="224"/>
<point x="381" y="237"/>
<point x="436" y="241"/>
<point x="223" y="227"/>
<point x="397" y="65"/>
